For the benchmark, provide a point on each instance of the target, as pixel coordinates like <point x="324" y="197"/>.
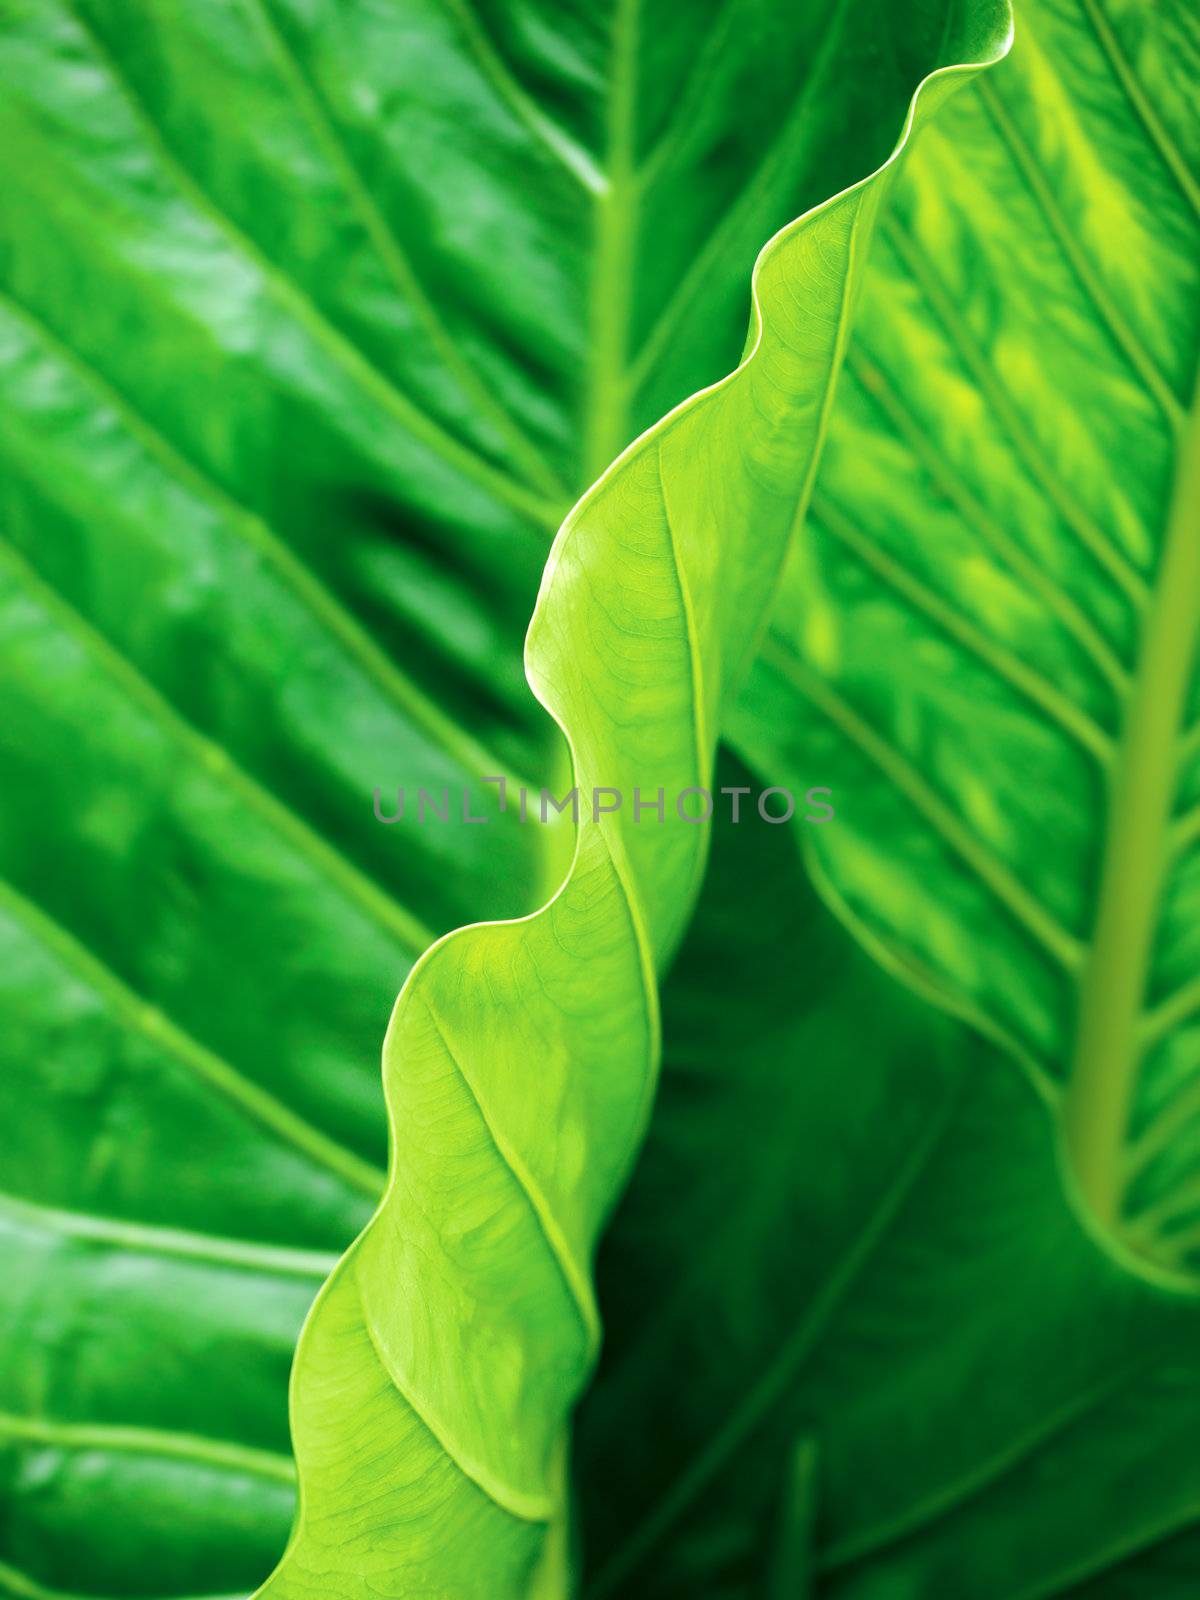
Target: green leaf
<point x="436" y="1373"/>
<point x="314" y="319"/>
<point x="854" y="1330"/>
<point x="854" y="1239"/>
<point x="988" y="638"/>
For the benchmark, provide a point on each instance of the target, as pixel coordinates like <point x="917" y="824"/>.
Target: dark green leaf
<point x="848" y="1233"/>
<point x="314" y="319"/>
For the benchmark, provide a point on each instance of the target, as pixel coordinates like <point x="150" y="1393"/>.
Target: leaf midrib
<point x="604" y="420"/>
<point x="1106" y="1051"/>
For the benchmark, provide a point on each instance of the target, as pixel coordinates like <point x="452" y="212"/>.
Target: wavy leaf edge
<point x="992" y="24"/>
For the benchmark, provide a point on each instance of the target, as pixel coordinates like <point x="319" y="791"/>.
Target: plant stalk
<point x="605" y="410"/>
<point x="1106" y="1051"/>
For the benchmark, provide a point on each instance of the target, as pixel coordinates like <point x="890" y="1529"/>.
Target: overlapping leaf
<point x="857" y="1338"/>
<point x="311" y="328"/>
<point x="436" y="1373"/>
<point x="995" y="618"/>
<point x="954" y="1381"/>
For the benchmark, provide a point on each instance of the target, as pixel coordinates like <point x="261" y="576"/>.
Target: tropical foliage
<point x="316" y="320"/>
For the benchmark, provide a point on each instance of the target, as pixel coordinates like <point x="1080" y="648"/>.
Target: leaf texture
<point x="436" y="1373"/>
<point x="995" y="1397"/>
<point x="990" y="634"/>
<point x="880" y="1278"/>
<point x="311" y="333"/>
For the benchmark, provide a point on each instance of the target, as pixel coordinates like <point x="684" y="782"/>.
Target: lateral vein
<point x="779" y="1371"/>
<point x="995" y="875"/>
<point x="1093" y="539"/>
<point x="391" y="915"/>
<point x="1001" y="661"/>
<point x="574" y="1276"/>
<point x="313" y="107"/>
<point x="1140" y="101"/>
<point x="423" y="426"/>
<point x="152" y="1023"/>
<point x="578" y="161"/>
<point x="312" y="591"/>
<point x="1126" y="339"/>
<point x="168" y="1444"/>
<point x="870" y="375"/>
<point x="218" y="1250"/>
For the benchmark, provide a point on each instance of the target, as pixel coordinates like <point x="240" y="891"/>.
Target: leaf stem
<point x="1112" y="989"/>
<point x="605" y="413"/>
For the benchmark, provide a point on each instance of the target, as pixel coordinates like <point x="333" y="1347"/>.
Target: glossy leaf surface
<point x="903" y="1346"/>
<point x="314" y="319"/>
<point x="990" y="633"/>
<point x="436" y="1375"/>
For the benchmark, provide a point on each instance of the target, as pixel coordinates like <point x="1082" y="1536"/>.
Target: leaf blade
<point x="670" y="538"/>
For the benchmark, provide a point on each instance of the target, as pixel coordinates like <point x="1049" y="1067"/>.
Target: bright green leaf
<point x="436" y="1374"/>
<point x="854" y="1240"/>
<point x="989" y="636"/>
<point x="314" y="319"/>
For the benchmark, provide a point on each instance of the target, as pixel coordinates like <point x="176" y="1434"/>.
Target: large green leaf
<point x="858" y="1343"/>
<point x="862" y="1340"/>
<point x="436" y="1373"/>
<point x="314" y="318"/>
<point x="989" y="637"/>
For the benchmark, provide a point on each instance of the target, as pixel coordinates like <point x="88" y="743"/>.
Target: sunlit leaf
<point x="314" y="319"/>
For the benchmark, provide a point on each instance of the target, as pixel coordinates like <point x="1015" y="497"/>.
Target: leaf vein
<point x="513" y="1502"/>
<point x="152" y="1023"/>
<point x="1123" y="335"/>
<point x="423" y="426"/>
<point x="927" y="1513"/>
<point x="575" y="1277"/>
<point x="1002" y="662"/>
<point x="169" y="1444"/>
<point x="771" y="1385"/>
<point x="388" y="912"/>
<point x="313" y="107"/>
<point x="995" y="875"/>
<point x="1140" y="101"/>
<point x="578" y="161"/>
<point x="213" y="1249"/>
<point x="1074" y="620"/>
<point x="1086" y="530"/>
<point x="313" y="592"/>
